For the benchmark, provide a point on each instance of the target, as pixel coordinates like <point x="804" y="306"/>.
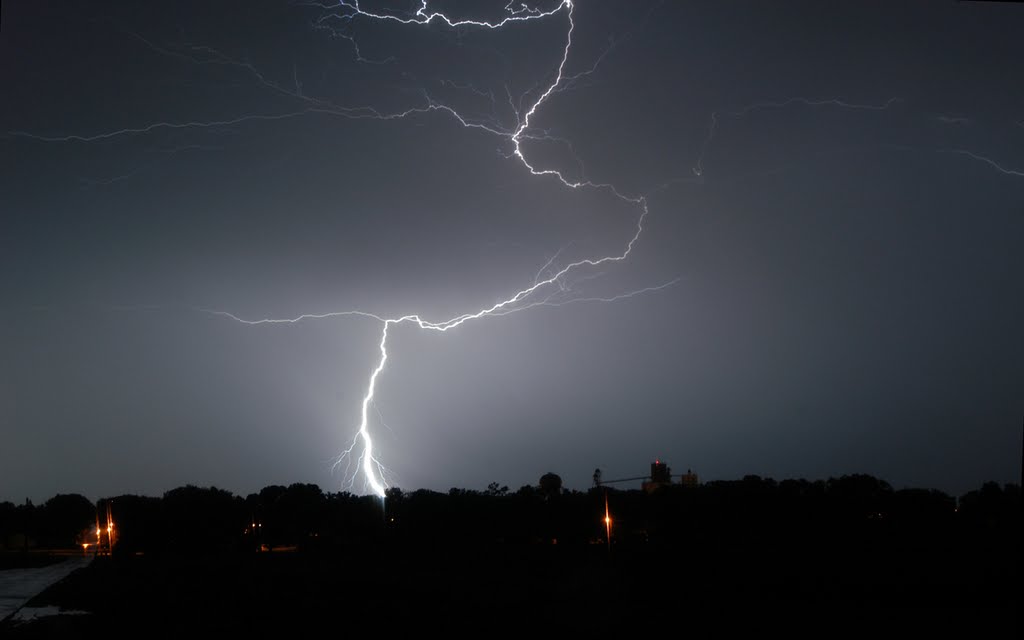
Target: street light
<point x="607" y="522"/>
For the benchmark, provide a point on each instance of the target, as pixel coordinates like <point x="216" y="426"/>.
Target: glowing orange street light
<point x="607" y="523"/>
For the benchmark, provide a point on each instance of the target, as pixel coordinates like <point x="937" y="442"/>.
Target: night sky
<point x="845" y="260"/>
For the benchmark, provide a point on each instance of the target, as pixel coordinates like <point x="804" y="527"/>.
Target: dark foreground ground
<point x="493" y="589"/>
<point x="19" y="560"/>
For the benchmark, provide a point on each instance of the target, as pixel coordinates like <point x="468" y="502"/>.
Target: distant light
<point x="607" y="522"/>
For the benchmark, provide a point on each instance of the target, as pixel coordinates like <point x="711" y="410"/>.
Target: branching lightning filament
<point x="545" y="291"/>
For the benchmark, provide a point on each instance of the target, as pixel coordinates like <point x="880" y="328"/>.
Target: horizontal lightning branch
<point x="992" y="163"/>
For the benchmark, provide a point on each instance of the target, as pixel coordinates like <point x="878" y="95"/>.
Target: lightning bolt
<point x="370" y="466"/>
<point x="558" y="293"/>
<point x="555" y="287"/>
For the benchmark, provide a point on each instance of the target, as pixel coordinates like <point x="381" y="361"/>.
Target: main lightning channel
<point x="349" y="10"/>
<point x="519" y="301"/>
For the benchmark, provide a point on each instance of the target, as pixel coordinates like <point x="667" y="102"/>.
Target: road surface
<point x="18" y="586"/>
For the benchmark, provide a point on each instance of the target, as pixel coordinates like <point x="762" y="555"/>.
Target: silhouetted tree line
<point x="754" y="514"/>
<point x="59" y="523"/>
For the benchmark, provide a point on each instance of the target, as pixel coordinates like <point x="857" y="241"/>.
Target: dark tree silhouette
<point x="64" y="518"/>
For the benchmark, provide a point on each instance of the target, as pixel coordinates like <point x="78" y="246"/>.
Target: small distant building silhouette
<point x="551" y="485"/>
<point x="661" y="476"/>
<point x="689" y="479"/>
